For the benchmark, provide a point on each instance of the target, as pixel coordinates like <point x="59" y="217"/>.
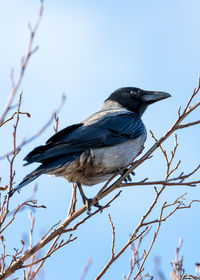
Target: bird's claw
<point x="128" y="178"/>
<point x="88" y="201"/>
<point x="99" y="206"/>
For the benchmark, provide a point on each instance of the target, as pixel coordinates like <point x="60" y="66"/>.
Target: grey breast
<point x="118" y="156"/>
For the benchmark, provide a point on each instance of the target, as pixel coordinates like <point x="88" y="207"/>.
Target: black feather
<point x="51" y="142"/>
<point x="64" y="132"/>
<point x="107" y="131"/>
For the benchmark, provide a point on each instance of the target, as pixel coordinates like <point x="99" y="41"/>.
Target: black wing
<point x="75" y="139"/>
<point x="63" y="133"/>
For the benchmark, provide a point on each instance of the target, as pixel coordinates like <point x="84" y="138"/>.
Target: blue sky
<point x="87" y="49"/>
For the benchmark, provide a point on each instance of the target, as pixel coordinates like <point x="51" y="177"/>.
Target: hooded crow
<point x="90" y="152"/>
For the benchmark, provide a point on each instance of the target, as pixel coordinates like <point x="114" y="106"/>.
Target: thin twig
<point x="39" y="132"/>
<point x="113" y="237"/>
<point x="85" y="269"/>
<point x="31" y="245"/>
<point x="167" y="183"/>
<point x="30" y="203"/>
<point x="25" y="60"/>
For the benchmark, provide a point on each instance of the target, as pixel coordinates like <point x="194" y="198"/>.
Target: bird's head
<point x="136" y="99"/>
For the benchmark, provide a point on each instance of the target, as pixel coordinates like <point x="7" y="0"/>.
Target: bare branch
<point x="113" y="237"/>
<point x="135" y="260"/>
<point x="167" y="183"/>
<point x="26" y="141"/>
<point x="25" y="60"/>
<point x="31" y="245"/>
<point x="152" y="243"/>
<point x="15" y="113"/>
<point x="187" y="125"/>
<point x="85" y="270"/>
<point x="72" y="205"/>
<point x="30" y="203"/>
<point x="55" y="248"/>
<point x="56" y="125"/>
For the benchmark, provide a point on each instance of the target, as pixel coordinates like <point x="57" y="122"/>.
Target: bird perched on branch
<point x="90" y="152"/>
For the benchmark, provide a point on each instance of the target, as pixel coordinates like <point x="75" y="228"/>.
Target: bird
<point x="90" y="152"/>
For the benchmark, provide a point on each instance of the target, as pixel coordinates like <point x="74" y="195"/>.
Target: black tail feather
<point x="28" y="179"/>
<point x="45" y="168"/>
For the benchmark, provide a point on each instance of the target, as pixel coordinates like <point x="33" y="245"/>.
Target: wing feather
<point x="108" y="131"/>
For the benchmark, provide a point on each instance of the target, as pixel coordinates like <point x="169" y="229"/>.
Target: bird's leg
<point x="128" y="178"/>
<point x="87" y="201"/>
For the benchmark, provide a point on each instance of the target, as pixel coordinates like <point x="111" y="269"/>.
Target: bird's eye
<point x="135" y="93"/>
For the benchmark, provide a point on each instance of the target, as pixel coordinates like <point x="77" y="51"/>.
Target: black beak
<point x="153" y="96"/>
